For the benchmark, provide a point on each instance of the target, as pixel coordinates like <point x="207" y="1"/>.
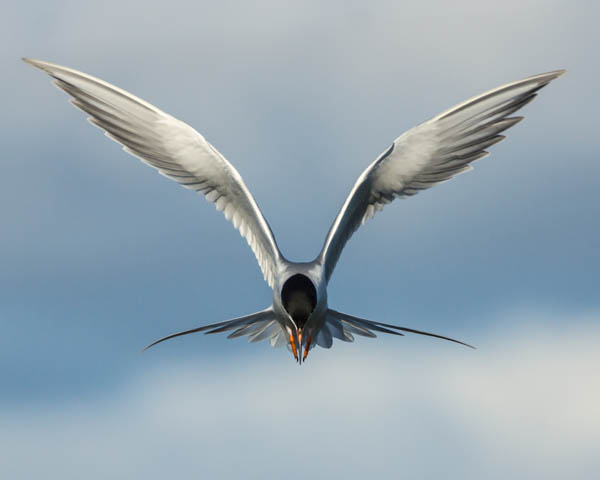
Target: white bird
<point x="300" y="317"/>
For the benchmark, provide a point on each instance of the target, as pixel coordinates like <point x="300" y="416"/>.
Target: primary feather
<point x="428" y="154"/>
<point x="175" y="149"/>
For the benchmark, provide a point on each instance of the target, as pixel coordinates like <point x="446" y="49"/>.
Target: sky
<point x="100" y="255"/>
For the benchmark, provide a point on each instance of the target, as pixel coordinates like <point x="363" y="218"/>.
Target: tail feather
<point x="324" y="338"/>
<point x="364" y="324"/>
<point x="254" y="325"/>
<point x="337" y="329"/>
<point x="267" y="331"/>
<point x="250" y="329"/>
<point x="359" y="326"/>
<point x="279" y="339"/>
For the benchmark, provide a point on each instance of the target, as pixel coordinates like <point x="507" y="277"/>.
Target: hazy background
<point x="99" y="255"/>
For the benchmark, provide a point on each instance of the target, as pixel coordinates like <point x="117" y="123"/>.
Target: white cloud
<point x="306" y="93"/>
<point x="524" y="405"/>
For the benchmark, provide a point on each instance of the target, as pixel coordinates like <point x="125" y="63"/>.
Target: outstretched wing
<point x="430" y="153"/>
<point x="175" y="149"/>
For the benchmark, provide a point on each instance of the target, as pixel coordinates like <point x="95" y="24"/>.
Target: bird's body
<point x="299" y="316"/>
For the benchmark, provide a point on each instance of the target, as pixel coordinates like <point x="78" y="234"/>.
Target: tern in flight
<point x="300" y="317"/>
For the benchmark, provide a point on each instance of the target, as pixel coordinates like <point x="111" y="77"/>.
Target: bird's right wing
<point x="175" y="149"/>
<point x="428" y="154"/>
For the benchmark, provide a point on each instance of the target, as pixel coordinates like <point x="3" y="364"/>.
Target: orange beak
<point x="294" y="348"/>
<point x="297" y="348"/>
<point x="306" y="348"/>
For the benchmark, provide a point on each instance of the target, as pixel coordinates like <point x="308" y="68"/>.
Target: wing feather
<point x="173" y="148"/>
<point x="428" y="154"/>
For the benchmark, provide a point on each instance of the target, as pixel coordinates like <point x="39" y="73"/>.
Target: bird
<point x="299" y="317"/>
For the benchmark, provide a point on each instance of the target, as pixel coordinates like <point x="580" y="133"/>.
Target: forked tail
<point x="257" y="326"/>
<point x="343" y="327"/>
<point x="262" y="325"/>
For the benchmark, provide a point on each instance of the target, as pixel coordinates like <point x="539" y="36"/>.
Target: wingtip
<point x="557" y="73"/>
<point x="543" y="79"/>
<point x="553" y="75"/>
<point x="39" y="64"/>
<point x="31" y="61"/>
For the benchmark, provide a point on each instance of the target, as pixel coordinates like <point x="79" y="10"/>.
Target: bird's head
<point x="299" y="298"/>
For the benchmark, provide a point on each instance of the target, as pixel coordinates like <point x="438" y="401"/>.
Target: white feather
<point x="175" y="149"/>
<point x="428" y="154"/>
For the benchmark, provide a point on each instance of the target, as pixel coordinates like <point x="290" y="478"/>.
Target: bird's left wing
<point x="175" y="149"/>
<point x="430" y="153"/>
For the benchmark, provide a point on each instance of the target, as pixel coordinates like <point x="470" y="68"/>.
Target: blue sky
<point x="100" y="255"/>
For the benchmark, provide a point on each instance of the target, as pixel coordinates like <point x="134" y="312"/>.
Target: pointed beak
<point x="299" y="342"/>
<point x="296" y="344"/>
<point x="306" y="346"/>
<point x="293" y="333"/>
<point x="304" y="339"/>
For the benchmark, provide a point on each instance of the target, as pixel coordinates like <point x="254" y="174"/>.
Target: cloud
<point x="101" y="254"/>
<point x="306" y="93"/>
<point x="526" y="404"/>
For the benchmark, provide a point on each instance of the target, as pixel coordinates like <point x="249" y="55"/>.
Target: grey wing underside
<point x="173" y="148"/>
<point x="256" y="326"/>
<point x="431" y="153"/>
<point x="343" y="327"/>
